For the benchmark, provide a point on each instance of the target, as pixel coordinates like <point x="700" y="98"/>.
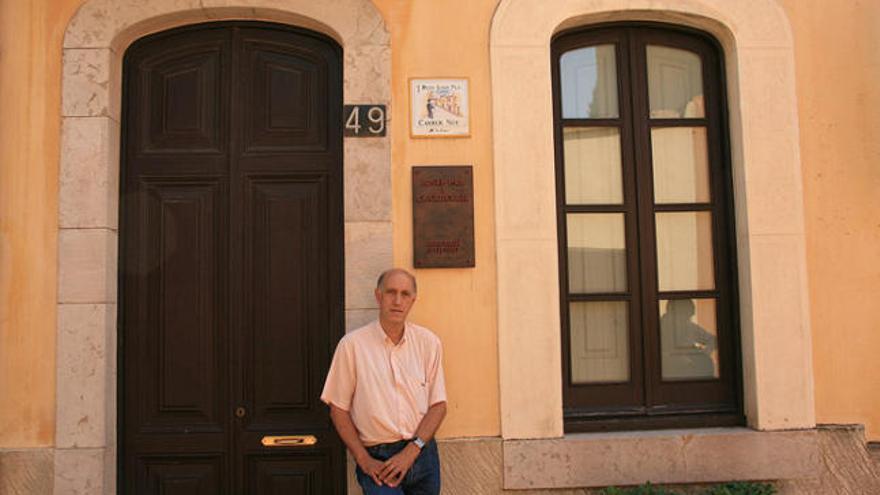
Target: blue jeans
<point x="423" y="477"/>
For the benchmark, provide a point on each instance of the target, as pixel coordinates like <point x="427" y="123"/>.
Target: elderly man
<point x="387" y="395"/>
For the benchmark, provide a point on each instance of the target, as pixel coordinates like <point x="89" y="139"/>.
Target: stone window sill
<point x="664" y="456"/>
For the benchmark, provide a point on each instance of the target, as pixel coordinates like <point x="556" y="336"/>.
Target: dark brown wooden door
<point x="231" y="289"/>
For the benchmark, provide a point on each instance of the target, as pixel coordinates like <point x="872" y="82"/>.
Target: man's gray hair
<point x="412" y="278"/>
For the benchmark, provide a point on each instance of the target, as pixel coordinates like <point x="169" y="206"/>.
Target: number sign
<point x="364" y="120"/>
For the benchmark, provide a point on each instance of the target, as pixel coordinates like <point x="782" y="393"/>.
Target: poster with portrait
<point x="439" y="108"/>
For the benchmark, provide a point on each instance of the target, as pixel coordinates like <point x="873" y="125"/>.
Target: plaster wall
<point x="450" y="39"/>
<point x="837" y="63"/>
<point x="30" y="97"/>
<point x="837" y="54"/>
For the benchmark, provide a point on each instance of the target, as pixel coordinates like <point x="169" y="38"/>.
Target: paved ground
<point x="846" y="466"/>
<point x="874" y="450"/>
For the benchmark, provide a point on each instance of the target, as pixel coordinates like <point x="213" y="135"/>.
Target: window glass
<point x="592" y="165"/>
<point x="589" y="83"/>
<point x="688" y="339"/>
<point x="675" y="83"/>
<point x="596" y="253"/>
<point x="599" y="342"/>
<point x="681" y="165"/>
<point x="684" y="251"/>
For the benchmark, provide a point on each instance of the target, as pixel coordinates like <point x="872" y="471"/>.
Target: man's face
<point x="395" y="298"/>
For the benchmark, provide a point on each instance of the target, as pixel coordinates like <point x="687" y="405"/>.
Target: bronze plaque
<point x="443" y="217"/>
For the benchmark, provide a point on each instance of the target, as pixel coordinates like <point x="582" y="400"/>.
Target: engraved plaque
<point x="443" y="217"/>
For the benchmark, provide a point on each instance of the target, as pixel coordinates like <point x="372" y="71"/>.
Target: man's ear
<point x="378" y="294"/>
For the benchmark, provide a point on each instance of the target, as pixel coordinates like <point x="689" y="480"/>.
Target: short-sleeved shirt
<point x="386" y="388"/>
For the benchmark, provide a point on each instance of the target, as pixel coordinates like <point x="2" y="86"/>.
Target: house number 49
<point x="364" y="120"/>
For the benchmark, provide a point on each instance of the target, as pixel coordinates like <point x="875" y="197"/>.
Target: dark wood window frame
<point x="646" y="401"/>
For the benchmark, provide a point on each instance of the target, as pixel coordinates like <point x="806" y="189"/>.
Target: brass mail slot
<point x="290" y="441"/>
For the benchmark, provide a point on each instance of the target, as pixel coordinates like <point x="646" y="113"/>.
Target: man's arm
<point x="395" y="468"/>
<point x="429" y="424"/>
<point x="349" y="435"/>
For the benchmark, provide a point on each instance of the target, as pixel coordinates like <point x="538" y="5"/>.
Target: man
<point x="387" y="395"/>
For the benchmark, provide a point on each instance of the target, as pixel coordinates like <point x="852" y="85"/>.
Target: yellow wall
<point x="30" y="92"/>
<point x="838" y="66"/>
<point x="459" y="304"/>
<point x="837" y="52"/>
<point x="450" y="38"/>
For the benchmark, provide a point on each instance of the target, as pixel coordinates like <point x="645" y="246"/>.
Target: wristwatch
<point x="419" y="443"/>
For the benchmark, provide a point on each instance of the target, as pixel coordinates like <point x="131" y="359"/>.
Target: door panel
<point x="183" y="89"/>
<point x="284" y="278"/>
<point x="182" y="341"/>
<point x="231" y="254"/>
<point x="181" y="475"/>
<point x="286" y="85"/>
<point x="289" y="475"/>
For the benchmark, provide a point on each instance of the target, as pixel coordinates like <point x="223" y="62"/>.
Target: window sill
<point x="661" y="457"/>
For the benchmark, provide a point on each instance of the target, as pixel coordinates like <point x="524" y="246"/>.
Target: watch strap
<point x="419" y="443"/>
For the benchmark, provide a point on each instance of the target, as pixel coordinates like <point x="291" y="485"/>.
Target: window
<point x="647" y="261"/>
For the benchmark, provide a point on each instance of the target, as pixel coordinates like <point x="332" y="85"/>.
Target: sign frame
<point x="456" y="119"/>
<point x="443" y="216"/>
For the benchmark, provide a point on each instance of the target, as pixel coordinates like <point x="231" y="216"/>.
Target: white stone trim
<point x="700" y="455"/>
<point x="96" y="38"/>
<point x="774" y="308"/>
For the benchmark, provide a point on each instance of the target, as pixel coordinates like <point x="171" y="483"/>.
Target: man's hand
<point x="347" y="432"/>
<point x="395" y="468"/>
<point x="372" y="467"/>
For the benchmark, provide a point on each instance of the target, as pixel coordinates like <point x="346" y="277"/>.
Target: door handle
<point x="240" y="412"/>
<point x="290" y="441"/>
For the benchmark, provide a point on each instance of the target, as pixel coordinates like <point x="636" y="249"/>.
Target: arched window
<point x="647" y="260"/>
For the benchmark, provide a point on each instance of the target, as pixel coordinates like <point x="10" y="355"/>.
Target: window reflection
<point x="593" y="173"/>
<point x="688" y="339"/>
<point x="685" y="258"/>
<point x="675" y="83"/>
<point x="589" y="83"/>
<point x="681" y="164"/>
<point x="596" y="253"/>
<point x="599" y="342"/>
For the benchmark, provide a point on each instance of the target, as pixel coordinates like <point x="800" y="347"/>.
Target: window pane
<point x="684" y="251"/>
<point x="589" y="83"/>
<point x="681" y="165"/>
<point x="592" y="165"/>
<point x="599" y="341"/>
<point x="596" y="253"/>
<point x="675" y="83"/>
<point x="688" y="339"/>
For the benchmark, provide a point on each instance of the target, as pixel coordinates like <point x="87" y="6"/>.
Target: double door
<point x="231" y="289"/>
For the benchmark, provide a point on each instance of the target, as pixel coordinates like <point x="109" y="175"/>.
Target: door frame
<point x="88" y="198"/>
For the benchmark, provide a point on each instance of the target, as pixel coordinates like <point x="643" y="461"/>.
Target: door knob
<point x="240" y="412"/>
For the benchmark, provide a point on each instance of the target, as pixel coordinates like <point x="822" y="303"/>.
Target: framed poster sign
<point x="439" y="108"/>
<point x="443" y="217"/>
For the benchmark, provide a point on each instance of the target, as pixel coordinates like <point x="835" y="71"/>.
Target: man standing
<point x="387" y="395"/>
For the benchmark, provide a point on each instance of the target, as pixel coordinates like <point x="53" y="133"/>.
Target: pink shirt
<point x="386" y="388"/>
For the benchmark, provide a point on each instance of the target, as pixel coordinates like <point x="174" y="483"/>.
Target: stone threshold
<point x="662" y="457"/>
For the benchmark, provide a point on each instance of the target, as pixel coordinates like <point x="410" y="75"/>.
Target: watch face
<point x="419" y="442"/>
